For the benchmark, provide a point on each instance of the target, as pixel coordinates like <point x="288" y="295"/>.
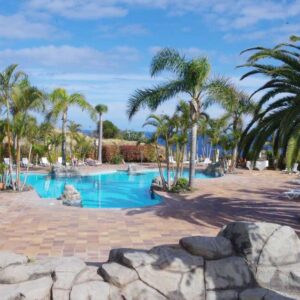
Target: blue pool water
<point x="110" y="190"/>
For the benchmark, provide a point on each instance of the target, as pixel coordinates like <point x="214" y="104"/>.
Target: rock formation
<point x="246" y="261"/>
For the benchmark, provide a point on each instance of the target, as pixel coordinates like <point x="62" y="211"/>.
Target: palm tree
<point x="278" y="111"/>
<point x="216" y="128"/>
<point x="73" y="129"/>
<point x="8" y="79"/>
<point x="61" y="101"/>
<point x="100" y="109"/>
<point x="24" y="98"/>
<point x="190" y="78"/>
<point x="236" y="104"/>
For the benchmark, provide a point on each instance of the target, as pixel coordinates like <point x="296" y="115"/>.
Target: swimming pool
<point x="106" y="190"/>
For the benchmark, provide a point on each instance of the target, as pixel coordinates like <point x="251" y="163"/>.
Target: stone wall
<point x="246" y="261"/>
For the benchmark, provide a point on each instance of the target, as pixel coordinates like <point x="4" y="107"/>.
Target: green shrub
<point x="117" y="159"/>
<point x="181" y="185"/>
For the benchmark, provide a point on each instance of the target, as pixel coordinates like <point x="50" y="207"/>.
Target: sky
<point x="103" y="48"/>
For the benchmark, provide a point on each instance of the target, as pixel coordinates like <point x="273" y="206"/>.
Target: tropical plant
<point x="190" y="78"/>
<point x="236" y="104"/>
<point x="73" y="131"/>
<point x="9" y="78"/>
<point x="24" y="99"/>
<point x="61" y="101"/>
<point x="84" y="146"/>
<point x="100" y="109"/>
<point x="216" y="129"/>
<point x="278" y="111"/>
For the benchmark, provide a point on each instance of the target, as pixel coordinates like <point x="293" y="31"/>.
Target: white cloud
<point x="78" y="9"/>
<point x="124" y="31"/>
<point x="70" y="58"/>
<point x="18" y="27"/>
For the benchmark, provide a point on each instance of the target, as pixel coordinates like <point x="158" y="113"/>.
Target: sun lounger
<point x="25" y="163"/>
<point x="292" y="194"/>
<point x="6" y="161"/>
<point x="44" y="162"/>
<point x="93" y="163"/>
<point x="59" y="160"/>
<point x="171" y="160"/>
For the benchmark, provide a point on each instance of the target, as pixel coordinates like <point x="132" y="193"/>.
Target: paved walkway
<point x="39" y="227"/>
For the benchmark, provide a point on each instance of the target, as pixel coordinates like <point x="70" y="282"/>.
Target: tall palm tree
<point x="190" y="78"/>
<point x="100" y="109"/>
<point x="8" y="79"/>
<point x="278" y="111"/>
<point x="236" y="104"/>
<point x="61" y="101"/>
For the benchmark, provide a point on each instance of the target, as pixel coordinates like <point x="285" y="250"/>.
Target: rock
<point x="281" y="248"/>
<point x="134" y="259"/>
<point x="9" y="258"/>
<point x="93" y="290"/>
<point x="214" y="170"/>
<point x="139" y="291"/>
<point x="66" y="270"/>
<point x="71" y="197"/>
<point x="39" y="289"/>
<point x="284" y="279"/>
<point x="90" y="273"/>
<point x="19" y="273"/>
<point x="222" y="295"/>
<point x="249" y="238"/>
<point x="117" y="274"/>
<point x="208" y="247"/>
<point x="157" y="184"/>
<point x="176" y="273"/>
<point x="115" y="293"/>
<point x="261" y="294"/>
<point x="227" y="273"/>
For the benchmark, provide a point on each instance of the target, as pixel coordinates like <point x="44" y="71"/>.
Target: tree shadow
<point x="261" y="205"/>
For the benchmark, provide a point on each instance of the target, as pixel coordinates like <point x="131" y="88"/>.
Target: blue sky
<point x="103" y="48"/>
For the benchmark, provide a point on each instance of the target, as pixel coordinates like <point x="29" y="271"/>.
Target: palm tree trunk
<point x="27" y="169"/>
<point x="234" y="157"/>
<point x="18" y="159"/>
<point x="63" y="137"/>
<point x="9" y="147"/>
<point x="193" y="155"/>
<point x="100" y="139"/>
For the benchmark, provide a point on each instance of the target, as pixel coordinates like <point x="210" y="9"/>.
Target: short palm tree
<point x="24" y="99"/>
<point x="61" y="101"/>
<point x="278" y="111"/>
<point x="73" y="130"/>
<point x="9" y="78"/>
<point x="237" y="105"/>
<point x="190" y="78"/>
<point x="100" y="109"/>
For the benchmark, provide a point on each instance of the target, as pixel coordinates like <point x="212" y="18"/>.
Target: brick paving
<point x="39" y="227"/>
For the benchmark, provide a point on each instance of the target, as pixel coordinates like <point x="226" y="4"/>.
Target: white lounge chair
<point x="6" y="161"/>
<point x="171" y="160"/>
<point x="44" y="162"/>
<point x="292" y="194"/>
<point x="206" y="161"/>
<point x="92" y="163"/>
<point x="295" y="168"/>
<point x="59" y="160"/>
<point x="25" y="163"/>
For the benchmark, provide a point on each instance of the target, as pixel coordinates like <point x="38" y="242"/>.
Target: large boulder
<point x="208" y="247"/>
<point x="9" y="258"/>
<point x="38" y="289"/>
<point x="272" y="253"/>
<point x="227" y="273"/>
<point x="214" y="170"/>
<point x="70" y="196"/>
